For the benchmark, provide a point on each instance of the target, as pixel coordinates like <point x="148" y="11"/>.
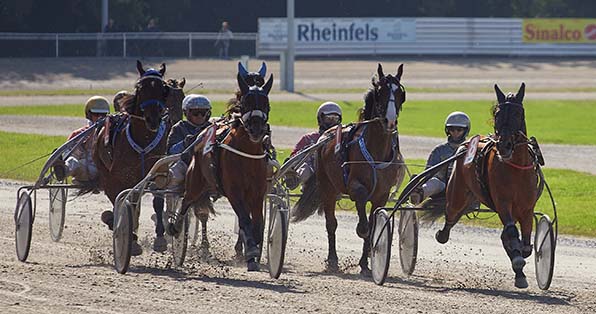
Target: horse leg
<point x="359" y="194"/>
<point x="251" y="252"/>
<point x="526" y="230"/>
<point x="203" y="217"/>
<point x="457" y="202"/>
<point x="328" y="204"/>
<point x="159" y="244"/>
<point x="513" y="247"/>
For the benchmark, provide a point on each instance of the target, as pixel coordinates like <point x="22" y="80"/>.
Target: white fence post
<point x="189" y="45"/>
<point x="123" y="45"/>
<point x="57" y="52"/>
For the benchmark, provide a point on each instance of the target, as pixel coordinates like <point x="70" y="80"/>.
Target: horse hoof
<point x="332" y="266"/>
<point x="362" y="230"/>
<point x="521" y="282"/>
<point x="107" y="217"/>
<point x="160" y="244"/>
<point x="365" y="272"/>
<point x="136" y="249"/>
<point x="252" y="265"/>
<point x="252" y="253"/>
<point x="442" y="237"/>
<point x="518" y="264"/>
<point x="171" y="230"/>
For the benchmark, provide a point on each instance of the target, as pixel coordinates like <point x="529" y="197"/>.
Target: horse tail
<point x="431" y="214"/>
<point x="309" y="202"/>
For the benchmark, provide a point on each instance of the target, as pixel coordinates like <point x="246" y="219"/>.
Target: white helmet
<point x="326" y="108"/>
<point x="96" y="104"/>
<point x="458" y="119"/>
<point x="194" y="101"/>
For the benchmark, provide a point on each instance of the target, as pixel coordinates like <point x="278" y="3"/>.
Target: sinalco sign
<point x="567" y="31"/>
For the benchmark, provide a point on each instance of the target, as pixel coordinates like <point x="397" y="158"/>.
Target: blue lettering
<point x="302" y="32"/>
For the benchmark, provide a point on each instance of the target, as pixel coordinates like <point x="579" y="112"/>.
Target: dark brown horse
<point x="141" y="140"/>
<point x="504" y="179"/>
<point x="236" y="167"/>
<point x="373" y="165"/>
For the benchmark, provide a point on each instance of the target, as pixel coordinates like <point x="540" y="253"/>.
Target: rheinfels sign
<point x="567" y="31"/>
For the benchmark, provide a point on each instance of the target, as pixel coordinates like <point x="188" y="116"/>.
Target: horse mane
<point x="365" y="112"/>
<point x="128" y="103"/>
<point x="233" y="105"/>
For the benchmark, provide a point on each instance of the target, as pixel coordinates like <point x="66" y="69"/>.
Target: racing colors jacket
<point x="178" y="133"/>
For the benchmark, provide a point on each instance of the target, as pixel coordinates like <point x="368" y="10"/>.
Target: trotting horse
<point x="504" y="178"/>
<point x="373" y="165"/>
<point x="138" y="143"/>
<point x="236" y="167"/>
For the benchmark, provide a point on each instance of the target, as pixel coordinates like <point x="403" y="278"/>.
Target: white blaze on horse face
<point x="391" y="114"/>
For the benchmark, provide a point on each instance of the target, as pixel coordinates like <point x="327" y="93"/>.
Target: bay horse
<point x="504" y="178"/>
<point x="138" y="143"/>
<point x="235" y="167"/>
<point x="373" y="165"/>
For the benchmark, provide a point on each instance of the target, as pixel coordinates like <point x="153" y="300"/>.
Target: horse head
<point x="385" y="99"/>
<point x="174" y="99"/>
<point x="150" y="93"/>
<point x="509" y="121"/>
<point x="254" y="107"/>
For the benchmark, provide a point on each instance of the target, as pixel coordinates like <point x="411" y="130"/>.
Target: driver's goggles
<point x="331" y="118"/>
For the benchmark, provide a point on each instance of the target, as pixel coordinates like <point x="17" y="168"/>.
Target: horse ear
<point x="500" y="95"/>
<point x="521" y="93"/>
<point x="242" y="70"/>
<point x="400" y="71"/>
<point x="242" y="84"/>
<point x="140" y="68"/>
<point x="162" y="69"/>
<point x="268" y="85"/>
<point x="380" y="71"/>
<point x="182" y="83"/>
<point x="263" y="69"/>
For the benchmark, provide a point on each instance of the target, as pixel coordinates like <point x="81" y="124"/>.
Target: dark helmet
<point x="328" y="108"/>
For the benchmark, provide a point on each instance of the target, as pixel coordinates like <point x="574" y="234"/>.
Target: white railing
<point x="125" y="38"/>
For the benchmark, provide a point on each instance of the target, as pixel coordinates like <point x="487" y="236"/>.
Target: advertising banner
<point x="567" y="31"/>
<point x="331" y="31"/>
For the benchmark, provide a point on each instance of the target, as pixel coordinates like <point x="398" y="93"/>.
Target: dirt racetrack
<point x="470" y="274"/>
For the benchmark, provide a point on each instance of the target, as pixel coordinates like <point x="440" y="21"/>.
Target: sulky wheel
<point x="277" y="238"/>
<point x="122" y="234"/>
<point x="24" y="224"/>
<point x="57" y="212"/>
<point x="381" y="239"/>
<point x="180" y="241"/>
<point x="544" y="250"/>
<point x="408" y="241"/>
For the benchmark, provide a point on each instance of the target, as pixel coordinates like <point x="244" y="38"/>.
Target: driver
<point x="329" y="114"/>
<point x="197" y="110"/>
<point x="80" y="163"/>
<point x="457" y="127"/>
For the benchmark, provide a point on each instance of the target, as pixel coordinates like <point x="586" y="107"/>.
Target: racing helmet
<point x="194" y="101"/>
<point x="328" y="108"/>
<point x="96" y="104"/>
<point x="457" y="119"/>
<point x="118" y="98"/>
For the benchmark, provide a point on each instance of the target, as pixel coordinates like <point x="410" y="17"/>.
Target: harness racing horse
<point x="236" y="167"/>
<point x="373" y="165"/>
<point x="137" y="143"/>
<point x="505" y="179"/>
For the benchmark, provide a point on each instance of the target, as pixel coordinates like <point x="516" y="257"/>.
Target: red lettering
<point x="529" y="33"/>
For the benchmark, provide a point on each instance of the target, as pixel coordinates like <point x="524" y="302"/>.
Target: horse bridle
<point x="256" y="92"/>
<point x="393" y="84"/>
<point x="507" y="105"/>
<point x="153" y="101"/>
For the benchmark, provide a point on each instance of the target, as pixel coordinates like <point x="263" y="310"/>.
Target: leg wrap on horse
<point x="511" y="241"/>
